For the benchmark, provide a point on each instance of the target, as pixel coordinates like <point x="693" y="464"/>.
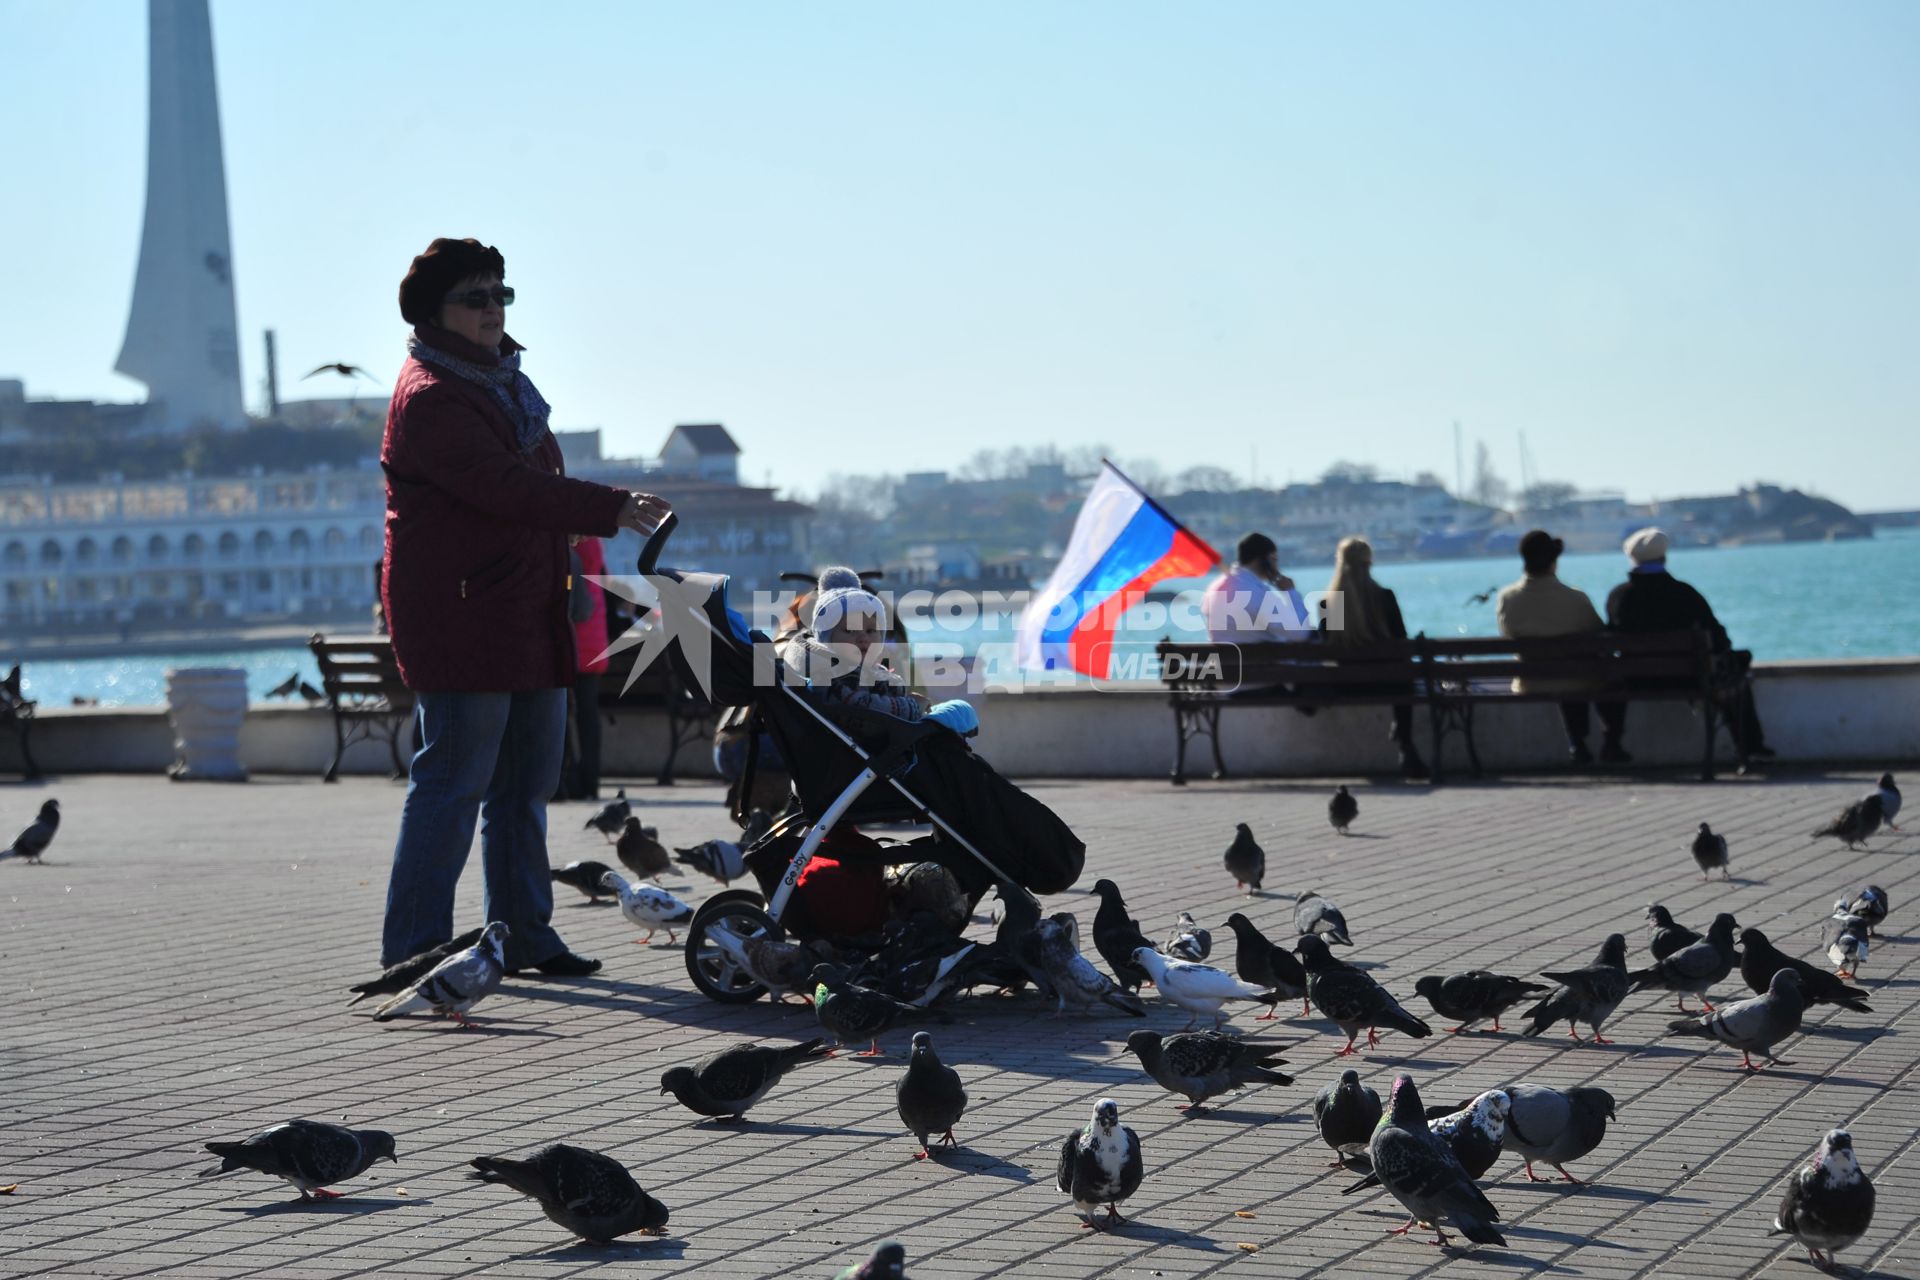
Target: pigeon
<point x="1696" y="969"/>
<point x="1588" y="994"/>
<point x="1116" y="937"/>
<point x="1475" y="1134"/>
<point x="727" y="1083"/>
<point x="1070" y="975"/>
<point x="1315" y="914"/>
<point x="721" y="860"/>
<point x="851" y="1013"/>
<point x="1871" y="905"/>
<point x="647" y="906"/>
<point x="1188" y="941"/>
<point x="1352" y="999"/>
<point x="311" y="694"/>
<point x="1710" y="852"/>
<point x="1265" y="964"/>
<point x="1205" y="1064"/>
<point x="1664" y="937"/>
<point x="782" y="965"/>
<point x="1475" y="995"/>
<point x="759" y="822"/>
<point x="1847" y="941"/>
<point x="1346" y="1113"/>
<point x="931" y="888"/>
<point x="1419" y="1169"/>
<point x="1889" y="801"/>
<point x="1100" y="1164"/>
<point x="640" y="851"/>
<point x="30" y="844"/>
<point x="889" y="1262"/>
<point x="1197" y="988"/>
<point x="1246" y="861"/>
<point x="1859" y="820"/>
<point x="1754" y="1025"/>
<point x="1547" y="1124"/>
<point x="929" y="1095"/>
<point x="285" y="688"/>
<point x="588" y="877"/>
<point x="310" y="1154"/>
<point x="1342" y="810"/>
<point x="400" y="976"/>
<point x="1828" y="1203"/>
<point x="582" y="1191"/>
<point x="1760" y="960"/>
<point x="610" y="819"/>
<point x="457" y="983"/>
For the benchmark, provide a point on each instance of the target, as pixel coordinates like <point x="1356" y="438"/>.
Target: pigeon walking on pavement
<point x="1693" y="970"/>
<point x="647" y="906"/>
<point x="610" y="819"/>
<point x="1200" y="1065"/>
<point x="726" y="1084"/>
<point x="1419" y="1169"/>
<point x="1664" y="935"/>
<point x="640" y="851"/>
<point x="398" y="977"/>
<point x="1847" y="941"/>
<point x="1342" y="810"/>
<point x="311" y="1154"/>
<point x="1072" y="977"/>
<point x="1475" y="1133"/>
<point x="1588" y="994"/>
<point x="1855" y="823"/>
<point x="1755" y="1025"/>
<point x="581" y="1191"/>
<point x="1351" y="998"/>
<point x="1188" y="941"/>
<point x="1555" y="1126"/>
<point x="851" y="1013"/>
<point x="452" y="987"/>
<point x="1889" y="801"/>
<point x="1710" y="853"/>
<point x="1871" y="904"/>
<point x="1475" y="996"/>
<point x="1200" y="989"/>
<point x="721" y="860"/>
<point x="1760" y="960"/>
<point x="929" y="1096"/>
<point x="30" y="844"/>
<point x="1346" y="1113"/>
<point x="1827" y="1204"/>
<point x="1317" y="915"/>
<point x="1264" y="963"/>
<point x="1116" y="936"/>
<point x="1245" y="860"/>
<point x="1100" y="1165"/>
<point x="588" y="877"/>
<point x="888" y="1262"/>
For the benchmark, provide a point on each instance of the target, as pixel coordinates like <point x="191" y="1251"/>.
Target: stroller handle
<point x="656" y="541"/>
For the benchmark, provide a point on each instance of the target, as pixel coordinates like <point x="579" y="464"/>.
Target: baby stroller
<point x="848" y="766"/>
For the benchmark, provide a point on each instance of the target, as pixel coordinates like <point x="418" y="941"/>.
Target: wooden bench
<point x="365" y="694"/>
<point x="1450" y="677"/>
<point x="16" y="713"/>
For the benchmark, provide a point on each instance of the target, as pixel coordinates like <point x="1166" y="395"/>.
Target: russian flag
<point x="1123" y="542"/>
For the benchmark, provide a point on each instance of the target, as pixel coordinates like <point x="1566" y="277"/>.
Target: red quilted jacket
<point x="476" y="557"/>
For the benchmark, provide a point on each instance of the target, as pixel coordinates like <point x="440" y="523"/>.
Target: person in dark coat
<point x="1651" y="599"/>
<point x="479" y="515"/>
<point x="1371" y="613"/>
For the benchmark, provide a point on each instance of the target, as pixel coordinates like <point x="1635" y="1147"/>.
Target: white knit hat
<point x="1646" y="546"/>
<point x="841" y="598"/>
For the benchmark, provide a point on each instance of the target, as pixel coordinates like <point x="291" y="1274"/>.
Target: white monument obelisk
<point x="181" y="333"/>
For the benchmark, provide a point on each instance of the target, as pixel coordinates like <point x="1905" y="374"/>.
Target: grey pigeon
<point x="33" y="842"/>
<point x="1547" y="1124"/>
<point x="1847" y="940"/>
<point x="1760" y="960"/>
<point x="398" y="977"/>
<point x="1871" y="904"/>
<point x="610" y="819"/>
<point x="1664" y="935"/>
<point x="1855" y="823"/>
<point x="1693" y="970"/>
<point x="1352" y="999"/>
<point x="727" y="1083"/>
<point x="1475" y="1133"/>
<point x="721" y="860"/>
<point x="1100" y="1165"/>
<point x="851" y="1013"/>
<point x="640" y="851"/>
<point x="889" y="1262"/>
<point x="1264" y="963"/>
<point x="1188" y="941"/>
<point x="1071" y="975"/>
<point x="1827" y="1204"/>
<point x="457" y="983"/>
<point x="1346" y="1113"/>
<point x="1589" y="994"/>
<point x="1246" y="861"/>
<point x="1116" y="936"/>
<point x="1317" y="915"/>
<point x="1754" y="1025"/>
<point x="581" y="1191"/>
<point x="1475" y="995"/>
<point x="1342" y="810"/>
<point x="1419" y="1169"/>
<point x="1200" y="1065"/>
<point x="1710" y="852"/>
<point x="586" y="877"/>
<point x="310" y="1154"/>
<point x="1889" y="801"/>
<point x="929" y="1096"/>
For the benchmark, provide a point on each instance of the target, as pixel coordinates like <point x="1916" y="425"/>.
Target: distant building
<point x="704" y="449"/>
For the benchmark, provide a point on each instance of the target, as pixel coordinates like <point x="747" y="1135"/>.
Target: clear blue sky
<point x="1675" y="244"/>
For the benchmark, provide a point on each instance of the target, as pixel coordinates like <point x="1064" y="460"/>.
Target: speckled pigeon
<point x="1352" y="999"/>
<point x="1419" y="1169"/>
<point x="582" y="1191"/>
<point x="310" y="1154"/>
<point x="1200" y="1065"/>
<point x="1827" y="1203"/>
<point x="1589" y="994"/>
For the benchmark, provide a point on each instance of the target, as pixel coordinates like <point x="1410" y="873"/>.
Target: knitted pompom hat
<point x="842" y="598"/>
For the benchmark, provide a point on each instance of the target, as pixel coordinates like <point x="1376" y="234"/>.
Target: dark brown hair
<point x="434" y="273"/>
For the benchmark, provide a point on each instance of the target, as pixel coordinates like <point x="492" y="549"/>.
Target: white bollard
<point x="206" y="706"/>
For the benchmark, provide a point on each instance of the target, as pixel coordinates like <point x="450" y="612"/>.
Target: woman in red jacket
<point x="479" y="513"/>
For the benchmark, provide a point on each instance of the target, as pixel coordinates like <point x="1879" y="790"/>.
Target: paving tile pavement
<point x="175" y="974"/>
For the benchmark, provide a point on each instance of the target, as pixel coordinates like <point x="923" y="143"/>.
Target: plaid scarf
<point x="504" y="382"/>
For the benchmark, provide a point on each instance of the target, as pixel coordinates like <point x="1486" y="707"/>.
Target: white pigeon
<point x="1197" y="988"/>
<point x="457" y="983"/>
<point x="648" y="905"/>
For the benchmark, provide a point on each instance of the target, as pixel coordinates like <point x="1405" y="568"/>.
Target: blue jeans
<point x="493" y="757"/>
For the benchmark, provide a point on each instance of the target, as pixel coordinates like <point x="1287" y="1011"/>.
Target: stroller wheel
<point x="714" y="959"/>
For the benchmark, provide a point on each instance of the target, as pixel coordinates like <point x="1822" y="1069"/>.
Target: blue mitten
<point x="956" y="714"/>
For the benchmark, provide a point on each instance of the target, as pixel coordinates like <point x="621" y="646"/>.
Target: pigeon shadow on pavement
<point x="1135" y="1229"/>
<point x="1859" y="1035"/>
<point x="350" y="1206"/>
<point x="965" y="1159"/>
<point x="612" y="1251"/>
<point x="787" y="1129"/>
<point x="1250" y="1118"/>
<point x="1569" y="1238"/>
<point x="1601" y="1190"/>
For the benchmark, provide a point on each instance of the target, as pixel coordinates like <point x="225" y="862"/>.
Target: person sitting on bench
<point x="1542" y="605"/>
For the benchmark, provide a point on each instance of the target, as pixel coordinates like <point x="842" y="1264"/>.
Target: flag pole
<point x="1151" y="501"/>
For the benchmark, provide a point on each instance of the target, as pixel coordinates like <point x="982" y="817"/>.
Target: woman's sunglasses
<point x="477" y="299"/>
